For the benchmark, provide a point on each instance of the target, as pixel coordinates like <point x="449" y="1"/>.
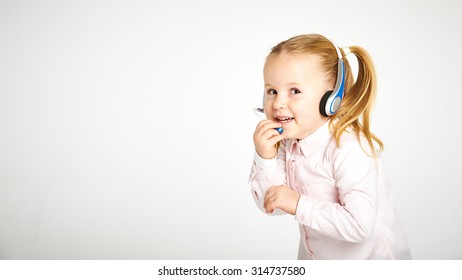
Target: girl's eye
<point x="271" y="91"/>
<point x="294" y="91"/>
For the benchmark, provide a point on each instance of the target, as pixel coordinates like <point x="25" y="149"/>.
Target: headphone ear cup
<point x="322" y="104"/>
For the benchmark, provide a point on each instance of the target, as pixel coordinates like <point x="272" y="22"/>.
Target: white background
<point x="126" y="126"/>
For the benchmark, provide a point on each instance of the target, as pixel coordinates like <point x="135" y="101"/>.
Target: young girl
<point x="324" y="166"/>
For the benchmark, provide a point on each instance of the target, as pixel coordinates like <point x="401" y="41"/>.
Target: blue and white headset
<point x="331" y="100"/>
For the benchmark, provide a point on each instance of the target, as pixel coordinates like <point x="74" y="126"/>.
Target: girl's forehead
<point x="282" y="66"/>
<point x="294" y="61"/>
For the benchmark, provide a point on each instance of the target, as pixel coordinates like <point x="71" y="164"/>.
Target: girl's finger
<point x="266" y="125"/>
<point x="276" y="138"/>
<point x="268" y="196"/>
<point x="270" y="133"/>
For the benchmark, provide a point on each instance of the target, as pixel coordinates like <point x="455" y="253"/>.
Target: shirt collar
<point x="315" y="140"/>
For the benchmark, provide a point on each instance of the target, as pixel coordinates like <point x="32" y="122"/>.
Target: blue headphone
<point x="331" y="100"/>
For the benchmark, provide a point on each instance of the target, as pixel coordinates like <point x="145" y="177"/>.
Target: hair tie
<point x="346" y="51"/>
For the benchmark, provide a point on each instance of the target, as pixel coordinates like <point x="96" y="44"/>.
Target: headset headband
<point x="331" y="100"/>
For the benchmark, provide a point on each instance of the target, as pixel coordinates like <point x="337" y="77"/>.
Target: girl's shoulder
<point x="351" y="144"/>
<point x="352" y="158"/>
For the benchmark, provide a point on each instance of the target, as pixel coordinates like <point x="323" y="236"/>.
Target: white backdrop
<point x="126" y="126"/>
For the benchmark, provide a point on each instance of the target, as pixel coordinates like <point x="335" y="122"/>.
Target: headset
<point x="331" y="100"/>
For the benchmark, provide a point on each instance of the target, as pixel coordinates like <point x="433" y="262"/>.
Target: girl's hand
<point x="281" y="197"/>
<point x="265" y="138"/>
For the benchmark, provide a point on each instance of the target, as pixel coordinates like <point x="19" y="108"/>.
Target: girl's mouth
<point x="284" y="119"/>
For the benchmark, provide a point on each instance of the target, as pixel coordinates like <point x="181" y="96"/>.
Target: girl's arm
<point x="265" y="174"/>
<point x="353" y="218"/>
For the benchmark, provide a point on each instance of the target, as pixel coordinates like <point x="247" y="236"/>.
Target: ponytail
<point x="358" y="102"/>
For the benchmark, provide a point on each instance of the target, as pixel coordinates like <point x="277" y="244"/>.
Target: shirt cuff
<point x="265" y="163"/>
<point x="304" y="210"/>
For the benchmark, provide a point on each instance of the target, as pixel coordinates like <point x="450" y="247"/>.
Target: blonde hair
<point x="359" y="97"/>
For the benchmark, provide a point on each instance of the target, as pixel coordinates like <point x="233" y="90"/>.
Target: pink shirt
<point x="346" y="206"/>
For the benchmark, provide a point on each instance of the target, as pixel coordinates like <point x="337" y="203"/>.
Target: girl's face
<point x="294" y="86"/>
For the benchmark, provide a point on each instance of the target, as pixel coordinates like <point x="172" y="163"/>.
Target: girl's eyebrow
<point x="289" y="84"/>
<point x="293" y="84"/>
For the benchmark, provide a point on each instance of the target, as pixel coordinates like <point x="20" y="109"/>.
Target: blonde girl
<point x="324" y="169"/>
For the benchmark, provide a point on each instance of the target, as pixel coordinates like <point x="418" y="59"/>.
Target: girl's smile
<point x="283" y="119"/>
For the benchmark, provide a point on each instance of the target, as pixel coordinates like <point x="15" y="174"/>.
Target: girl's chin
<point x="291" y="134"/>
<point x="292" y="131"/>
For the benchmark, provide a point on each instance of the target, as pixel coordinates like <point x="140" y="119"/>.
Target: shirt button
<point x="302" y="217"/>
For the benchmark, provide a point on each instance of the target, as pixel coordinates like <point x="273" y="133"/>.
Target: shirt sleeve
<point x="353" y="218"/>
<point x="265" y="174"/>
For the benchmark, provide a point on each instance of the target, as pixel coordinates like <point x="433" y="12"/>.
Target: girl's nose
<point x="279" y="103"/>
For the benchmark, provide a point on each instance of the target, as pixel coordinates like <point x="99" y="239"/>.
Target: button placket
<point x="294" y="153"/>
